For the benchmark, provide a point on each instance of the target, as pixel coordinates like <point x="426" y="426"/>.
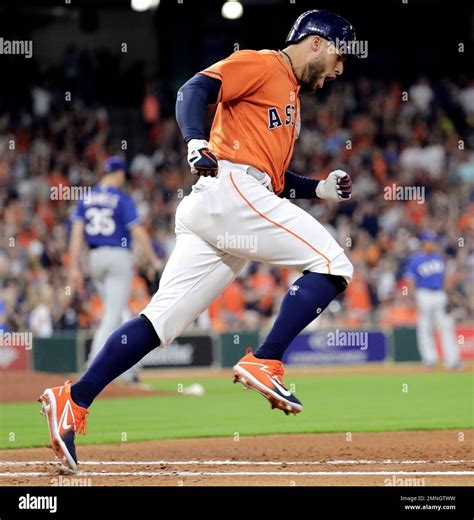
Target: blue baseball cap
<point x="428" y="236"/>
<point x="114" y="164"/>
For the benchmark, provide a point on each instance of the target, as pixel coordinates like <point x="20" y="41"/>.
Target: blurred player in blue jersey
<point x="426" y="271"/>
<point x="108" y="222"/>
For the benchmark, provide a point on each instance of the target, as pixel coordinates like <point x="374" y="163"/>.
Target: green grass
<point x="342" y="403"/>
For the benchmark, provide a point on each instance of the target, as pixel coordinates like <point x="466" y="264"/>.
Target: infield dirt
<point x="283" y="460"/>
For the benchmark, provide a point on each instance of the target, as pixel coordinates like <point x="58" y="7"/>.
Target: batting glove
<point x="337" y="186"/>
<point x="201" y="160"/>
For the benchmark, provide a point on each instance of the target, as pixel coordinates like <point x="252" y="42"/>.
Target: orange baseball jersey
<point x="257" y="119"/>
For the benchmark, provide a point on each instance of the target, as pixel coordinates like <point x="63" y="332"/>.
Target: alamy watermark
<point x="358" y="48"/>
<point x="23" y="47"/>
<point x="16" y="339"/>
<point x="61" y="481"/>
<point x="30" y="501"/>
<point x="394" y="192"/>
<point x="231" y="241"/>
<point x="61" y="192"/>
<point x="340" y="338"/>
<point x="399" y="481"/>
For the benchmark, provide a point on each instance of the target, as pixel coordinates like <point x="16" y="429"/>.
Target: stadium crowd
<point x="408" y="148"/>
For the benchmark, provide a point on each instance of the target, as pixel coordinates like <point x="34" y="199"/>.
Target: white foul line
<point x="239" y="473"/>
<point x="233" y="462"/>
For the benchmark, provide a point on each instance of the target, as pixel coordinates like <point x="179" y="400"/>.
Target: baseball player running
<point x="244" y="191"/>
<point x="425" y="272"/>
<point x="108" y="222"/>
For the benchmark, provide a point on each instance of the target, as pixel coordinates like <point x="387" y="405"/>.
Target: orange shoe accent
<point x="328" y="262"/>
<point x="65" y="418"/>
<point x="266" y="377"/>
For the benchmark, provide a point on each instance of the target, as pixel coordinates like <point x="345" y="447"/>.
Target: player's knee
<point x="339" y="282"/>
<point x="343" y="271"/>
<point x="149" y="324"/>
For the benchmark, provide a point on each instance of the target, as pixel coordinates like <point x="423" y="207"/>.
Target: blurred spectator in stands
<point x="421" y="95"/>
<point x="40" y="319"/>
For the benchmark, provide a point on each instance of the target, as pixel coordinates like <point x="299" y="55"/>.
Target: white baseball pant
<point x="224" y="223"/>
<point x="432" y="315"/>
<point x="111" y="269"/>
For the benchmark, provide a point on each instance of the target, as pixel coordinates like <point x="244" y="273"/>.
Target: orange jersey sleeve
<point x="241" y="74"/>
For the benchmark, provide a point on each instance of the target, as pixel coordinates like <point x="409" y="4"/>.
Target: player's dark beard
<point x="312" y="74"/>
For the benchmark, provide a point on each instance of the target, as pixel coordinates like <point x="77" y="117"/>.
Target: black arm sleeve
<point x="191" y="104"/>
<point x="298" y="187"/>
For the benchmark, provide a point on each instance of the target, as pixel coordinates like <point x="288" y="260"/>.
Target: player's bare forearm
<point x="75" y="244"/>
<point x="75" y="278"/>
<point x="141" y="237"/>
<point x="410" y="286"/>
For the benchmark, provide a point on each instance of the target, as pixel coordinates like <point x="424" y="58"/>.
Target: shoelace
<point x="80" y="418"/>
<point x="278" y="370"/>
<point x="81" y="425"/>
